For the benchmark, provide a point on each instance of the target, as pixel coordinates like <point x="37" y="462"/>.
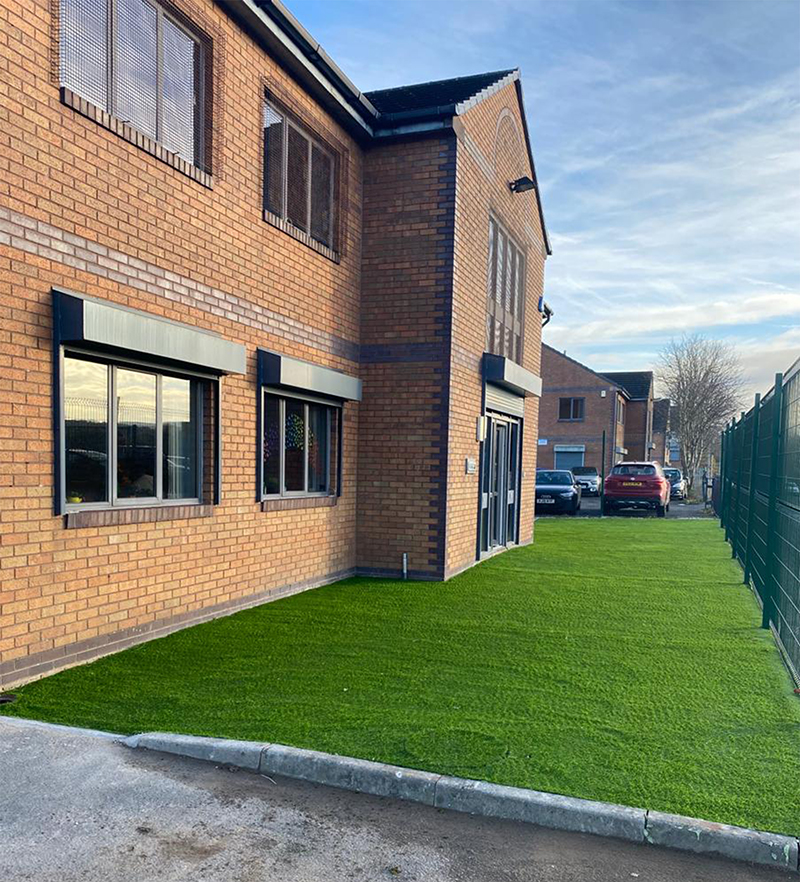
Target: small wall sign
<point x="543" y="442"/>
<point x="470" y="466"/>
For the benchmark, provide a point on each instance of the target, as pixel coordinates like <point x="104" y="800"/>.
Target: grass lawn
<point x="615" y="659"/>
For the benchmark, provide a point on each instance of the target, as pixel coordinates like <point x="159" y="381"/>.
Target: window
<point x="570" y="409"/>
<point x="130" y="435"/>
<point x="299" y="175"/>
<point x="506" y="289"/>
<point x="132" y="59"/>
<point x="621" y="414"/>
<point x="300" y="445"/>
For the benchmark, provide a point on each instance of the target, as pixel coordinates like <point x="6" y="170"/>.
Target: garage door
<point x="567" y="459"/>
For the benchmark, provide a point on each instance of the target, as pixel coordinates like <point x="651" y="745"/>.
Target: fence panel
<point x="758" y="503"/>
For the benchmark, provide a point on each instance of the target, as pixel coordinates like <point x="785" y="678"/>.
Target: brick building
<point x="661" y="430"/>
<point x="260" y="331"/>
<point x="578" y="404"/>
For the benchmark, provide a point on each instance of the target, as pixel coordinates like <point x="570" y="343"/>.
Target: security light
<point x="522" y="185"/>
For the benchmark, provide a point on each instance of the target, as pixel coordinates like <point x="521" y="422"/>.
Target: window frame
<point x="330" y="464"/>
<point x="289" y="120"/>
<point x="499" y="294"/>
<point x="114" y="501"/>
<point x="572" y="409"/>
<point x="199" y="160"/>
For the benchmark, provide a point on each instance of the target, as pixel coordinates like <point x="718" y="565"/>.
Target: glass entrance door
<point x="500" y="461"/>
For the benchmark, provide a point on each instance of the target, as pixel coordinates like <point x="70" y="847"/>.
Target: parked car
<point x="637" y="485"/>
<point x="588" y="480"/>
<point x="557" y="491"/>
<point x="677" y="483"/>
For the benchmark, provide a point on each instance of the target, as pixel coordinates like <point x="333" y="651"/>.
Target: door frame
<point x="486" y="460"/>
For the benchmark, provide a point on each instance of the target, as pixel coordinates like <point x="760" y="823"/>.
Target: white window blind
<point x="132" y="59"/>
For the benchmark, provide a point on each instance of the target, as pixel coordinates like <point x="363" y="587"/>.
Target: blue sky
<point x="667" y="143"/>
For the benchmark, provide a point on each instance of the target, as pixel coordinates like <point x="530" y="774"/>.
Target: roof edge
<point x="587" y="368"/>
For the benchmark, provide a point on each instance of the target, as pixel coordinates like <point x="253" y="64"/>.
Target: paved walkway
<point x="76" y="806"/>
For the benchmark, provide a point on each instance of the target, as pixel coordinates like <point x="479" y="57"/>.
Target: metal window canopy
<point x="97" y="324"/>
<point x="501" y="371"/>
<point x="91" y="325"/>
<point x="293" y="374"/>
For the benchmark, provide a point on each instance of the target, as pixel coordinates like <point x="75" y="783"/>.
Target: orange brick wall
<point x="83" y="209"/>
<point x="409" y="193"/>
<point x="491" y="153"/>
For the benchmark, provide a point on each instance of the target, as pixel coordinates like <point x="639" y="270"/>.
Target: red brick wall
<point x="563" y="377"/>
<point x="83" y="209"/>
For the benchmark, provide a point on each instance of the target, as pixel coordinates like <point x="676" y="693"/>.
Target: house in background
<point x="661" y="430"/>
<point x="638" y="386"/>
<point x="577" y="405"/>
<point x="263" y="331"/>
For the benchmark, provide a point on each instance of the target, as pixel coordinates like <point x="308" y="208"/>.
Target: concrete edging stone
<point x="484" y="798"/>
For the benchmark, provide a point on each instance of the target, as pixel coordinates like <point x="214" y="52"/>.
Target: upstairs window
<point x="506" y="295"/>
<point x="570" y="409"/>
<point x="299" y="177"/>
<point x="134" y="60"/>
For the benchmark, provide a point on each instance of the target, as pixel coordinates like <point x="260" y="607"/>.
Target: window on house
<point x="622" y="413"/>
<point x="134" y="60"/>
<point x="299" y="176"/>
<point x="570" y="409"/>
<point x="131" y="435"/>
<point x="506" y="295"/>
<point x="300" y="441"/>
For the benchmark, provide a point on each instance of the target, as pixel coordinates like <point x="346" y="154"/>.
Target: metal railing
<point x="758" y="505"/>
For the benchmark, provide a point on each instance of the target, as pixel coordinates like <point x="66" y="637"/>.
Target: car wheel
<point x="661" y="510"/>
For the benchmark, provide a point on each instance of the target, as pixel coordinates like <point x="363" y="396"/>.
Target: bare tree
<point x="703" y="378"/>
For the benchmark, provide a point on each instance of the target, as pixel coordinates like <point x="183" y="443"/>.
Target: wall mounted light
<point x="522" y="185"/>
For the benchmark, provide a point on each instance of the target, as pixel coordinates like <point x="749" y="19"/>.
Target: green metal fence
<point x="759" y="505"/>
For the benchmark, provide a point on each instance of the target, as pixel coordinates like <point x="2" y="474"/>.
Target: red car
<point x="637" y="485"/>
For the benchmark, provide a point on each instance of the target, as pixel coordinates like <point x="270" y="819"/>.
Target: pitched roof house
<point x="265" y="330"/>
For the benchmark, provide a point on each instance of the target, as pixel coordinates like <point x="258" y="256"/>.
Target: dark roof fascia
<point x="580" y="364"/>
<point x="279" y="32"/>
<point x="533" y="165"/>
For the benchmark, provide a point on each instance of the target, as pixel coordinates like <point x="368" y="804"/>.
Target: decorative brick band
<point x="134" y="136"/>
<point x="40" y="664"/>
<point x="51" y="243"/>
<point x="292" y="503"/>
<point x="114" y="517"/>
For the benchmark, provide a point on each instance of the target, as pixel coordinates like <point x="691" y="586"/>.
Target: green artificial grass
<point x="615" y="659"/>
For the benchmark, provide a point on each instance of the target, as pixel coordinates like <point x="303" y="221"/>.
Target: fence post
<point x="751" y="505"/>
<point x="603" y="478"/>
<point x="728" y="479"/>
<point x="738" y="505"/>
<point x="772" y="507"/>
<point x="723" y="460"/>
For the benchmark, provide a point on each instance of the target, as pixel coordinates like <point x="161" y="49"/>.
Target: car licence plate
<point x="545" y="500"/>
<point x="631" y="483"/>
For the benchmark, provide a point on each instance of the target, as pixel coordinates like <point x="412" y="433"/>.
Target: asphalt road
<point x="590" y="508"/>
<point x="77" y="806"/>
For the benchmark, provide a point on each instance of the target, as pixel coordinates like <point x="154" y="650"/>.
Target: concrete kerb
<point x="484" y="798"/>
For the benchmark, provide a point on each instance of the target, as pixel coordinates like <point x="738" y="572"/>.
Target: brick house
<point x="578" y="404"/>
<point x="639" y="412"/>
<point x="661" y="430"/>
<point x="260" y="330"/>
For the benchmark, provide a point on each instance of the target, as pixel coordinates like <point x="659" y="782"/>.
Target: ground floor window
<point x="300" y="446"/>
<point x="130" y="435"/>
